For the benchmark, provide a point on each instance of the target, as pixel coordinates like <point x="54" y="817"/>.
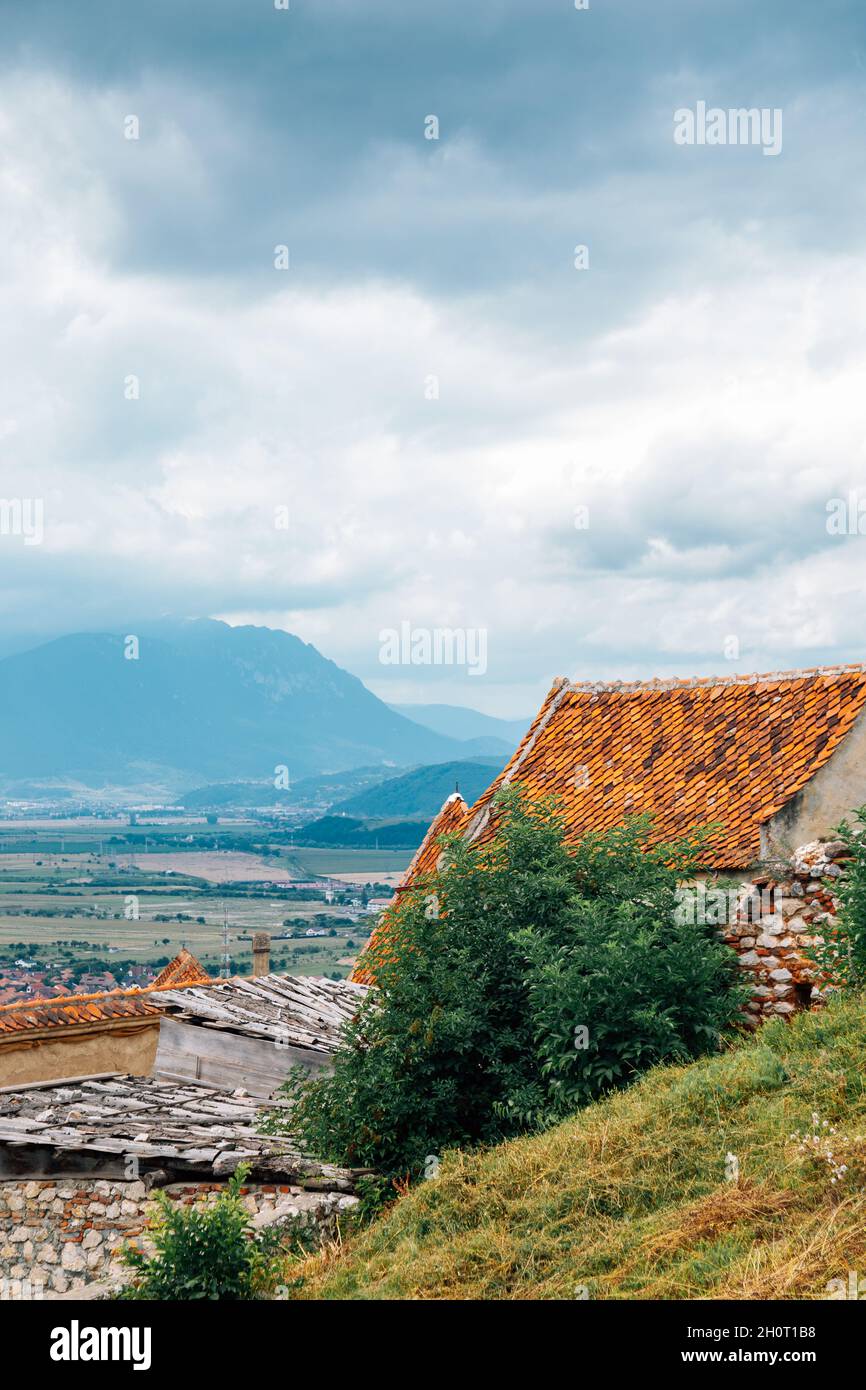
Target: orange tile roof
<point x="183" y="970"/>
<point x="726" y="750"/>
<point x="107" y="1006"/>
<point x="66" y="1010"/>
<point x="451" y="818"/>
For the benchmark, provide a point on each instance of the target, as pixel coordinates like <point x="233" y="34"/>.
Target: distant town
<point x="103" y="898"/>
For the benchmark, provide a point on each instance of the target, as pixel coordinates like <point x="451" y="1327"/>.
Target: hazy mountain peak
<point x="195" y="701"/>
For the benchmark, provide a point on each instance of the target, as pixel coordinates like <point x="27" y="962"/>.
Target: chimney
<point x="261" y="953"/>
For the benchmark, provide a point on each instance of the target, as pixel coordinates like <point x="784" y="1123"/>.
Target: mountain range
<point x="308" y="792"/>
<point x="419" y="794"/>
<point x="454" y="721"/>
<point x="191" y="702"/>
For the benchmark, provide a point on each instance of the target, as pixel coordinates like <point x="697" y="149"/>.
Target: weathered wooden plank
<point x="184" y="1128"/>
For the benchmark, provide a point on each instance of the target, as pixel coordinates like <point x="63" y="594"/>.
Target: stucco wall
<point x="79" y="1053"/>
<point x="837" y="789"/>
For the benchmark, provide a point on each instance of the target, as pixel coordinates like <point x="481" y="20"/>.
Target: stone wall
<point x="59" y="1236"/>
<point x="777" y="915"/>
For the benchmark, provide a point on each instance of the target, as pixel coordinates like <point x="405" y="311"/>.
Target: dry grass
<point x="630" y="1199"/>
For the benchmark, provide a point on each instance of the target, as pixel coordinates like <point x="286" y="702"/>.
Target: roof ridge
<point x="43" y="1001"/>
<point x="695" y="682"/>
<point x="183" y="969"/>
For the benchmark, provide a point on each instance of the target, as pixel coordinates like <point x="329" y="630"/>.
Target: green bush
<point x="489" y="974"/>
<point x="841" y="956"/>
<point x="204" y="1251"/>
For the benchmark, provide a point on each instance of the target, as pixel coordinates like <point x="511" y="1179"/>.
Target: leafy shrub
<point x="488" y="971"/>
<point x="374" y="1194"/>
<point x="841" y="955"/>
<point x="204" y="1251"/>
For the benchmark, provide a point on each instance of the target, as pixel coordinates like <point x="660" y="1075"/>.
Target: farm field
<point x="217" y="866"/>
<point x="128" y="913"/>
<point x="358" y="880"/>
<point x="357" y="865"/>
<point x="149" y="943"/>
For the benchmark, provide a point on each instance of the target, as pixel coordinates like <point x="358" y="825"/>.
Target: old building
<point x="82" y="1034"/>
<point x="768" y="763"/>
<point x="81" y="1150"/>
<point x="79" y="1162"/>
<point x="186" y="1025"/>
<point x="251" y="1032"/>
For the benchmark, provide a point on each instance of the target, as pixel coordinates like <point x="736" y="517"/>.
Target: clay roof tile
<point x="67" y="1010"/>
<point x="730" y="749"/>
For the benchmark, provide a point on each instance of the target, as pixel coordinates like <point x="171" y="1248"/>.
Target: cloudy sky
<point x="622" y="470"/>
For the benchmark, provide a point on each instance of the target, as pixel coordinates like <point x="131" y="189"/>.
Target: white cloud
<point x="704" y="435"/>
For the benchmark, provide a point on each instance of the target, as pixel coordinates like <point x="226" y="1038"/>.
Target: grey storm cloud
<point x="306" y="125"/>
<point x="433" y="390"/>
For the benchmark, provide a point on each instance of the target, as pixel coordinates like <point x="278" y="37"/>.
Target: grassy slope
<point x="629" y="1198"/>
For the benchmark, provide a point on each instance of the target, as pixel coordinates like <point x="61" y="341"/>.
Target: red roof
<point x="70" y="1010"/>
<point x="451" y="818"/>
<point x="726" y="750"/>
<point x="183" y="970"/>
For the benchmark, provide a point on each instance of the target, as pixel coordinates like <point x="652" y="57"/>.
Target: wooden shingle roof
<point x="94" y="1124"/>
<point x="303" y="1010"/>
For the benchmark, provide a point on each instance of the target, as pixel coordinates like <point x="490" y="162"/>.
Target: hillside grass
<point x="629" y="1198"/>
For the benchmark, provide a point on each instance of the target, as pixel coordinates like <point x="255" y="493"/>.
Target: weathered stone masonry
<point x="68" y="1199"/>
<point x="59" y="1237"/>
